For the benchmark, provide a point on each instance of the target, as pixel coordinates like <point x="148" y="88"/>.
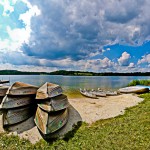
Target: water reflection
<point x="75" y="82"/>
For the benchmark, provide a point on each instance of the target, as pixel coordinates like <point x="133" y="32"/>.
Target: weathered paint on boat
<point x="48" y="123"/>
<point x="99" y="93"/>
<point x="20" y="88"/>
<point x="55" y="104"/>
<point x="48" y="90"/>
<point x="3" y="90"/>
<point x="109" y="93"/>
<point x="13" y="116"/>
<point x="133" y="89"/>
<point x="10" y="101"/>
<point x="88" y="94"/>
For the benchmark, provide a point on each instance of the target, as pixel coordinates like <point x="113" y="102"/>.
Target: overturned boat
<point x="48" y="123"/>
<point x="20" y="88"/>
<point x="48" y="90"/>
<point x="11" y="101"/>
<point x="54" y="104"/>
<point x="134" y="89"/>
<point x="13" y="116"/>
<point x="88" y="94"/>
<point x="3" y="90"/>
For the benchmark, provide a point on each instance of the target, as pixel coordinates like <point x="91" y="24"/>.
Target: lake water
<point x="73" y="83"/>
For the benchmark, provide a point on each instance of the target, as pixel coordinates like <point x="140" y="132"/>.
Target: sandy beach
<point x="89" y="109"/>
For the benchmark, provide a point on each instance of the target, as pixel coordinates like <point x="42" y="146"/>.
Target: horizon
<point x="90" y="36"/>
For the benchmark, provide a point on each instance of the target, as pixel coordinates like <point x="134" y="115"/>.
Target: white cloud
<point x="7" y="6"/>
<point x="124" y="59"/>
<point x="145" y="59"/>
<point x="131" y="65"/>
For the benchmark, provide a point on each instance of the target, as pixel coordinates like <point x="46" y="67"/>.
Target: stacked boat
<point x="3" y="90"/>
<point x="52" y="112"/>
<point x="18" y="103"/>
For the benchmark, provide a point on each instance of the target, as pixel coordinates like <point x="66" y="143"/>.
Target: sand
<point x="85" y="109"/>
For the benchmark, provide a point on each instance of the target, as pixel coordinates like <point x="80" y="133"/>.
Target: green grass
<point x="130" y="131"/>
<point x="139" y="82"/>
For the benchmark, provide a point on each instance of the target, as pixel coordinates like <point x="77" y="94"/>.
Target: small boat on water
<point x="48" y="123"/>
<point x="54" y="104"/>
<point x="134" y="89"/>
<point x="20" y="88"/>
<point x="3" y="90"/>
<point x="87" y="94"/>
<point x="13" y="116"/>
<point x="10" y="101"/>
<point x="48" y="90"/>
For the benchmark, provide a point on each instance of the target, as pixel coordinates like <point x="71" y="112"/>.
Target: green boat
<point x="49" y="123"/>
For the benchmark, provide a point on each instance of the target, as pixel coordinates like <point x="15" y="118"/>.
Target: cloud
<point x="145" y="59"/>
<point x="124" y="59"/>
<point x="74" y="29"/>
<point x="15" y="29"/>
<point x="131" y="65"/>
<point x="73" y="34"/>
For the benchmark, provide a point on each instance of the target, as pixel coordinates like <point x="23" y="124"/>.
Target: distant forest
<point x="73" y="73"/>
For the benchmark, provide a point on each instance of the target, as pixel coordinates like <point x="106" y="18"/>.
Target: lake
<point x="71" y="84"/>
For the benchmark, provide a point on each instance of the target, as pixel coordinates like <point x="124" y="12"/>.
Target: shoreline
<point x="90" y="110"/>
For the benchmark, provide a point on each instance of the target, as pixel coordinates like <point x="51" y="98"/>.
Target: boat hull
<point x="14" y="116"/>
<point x="133" y="89"/>
<point x="3" y="90"/>
<point x="55" y="104"/>
<point x="49" y="123"/>
<point x="111" y="93"/>
<point x="48" y="90"/>
<point x="16" y="101"/>
<point x="89" y="95"/>
<point x="19" y="88"/>
<point x="100" y="94"/>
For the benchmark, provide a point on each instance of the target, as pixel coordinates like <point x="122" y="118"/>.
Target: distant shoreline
<point x="73" y="73"/>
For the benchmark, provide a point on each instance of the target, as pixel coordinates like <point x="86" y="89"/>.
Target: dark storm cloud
<point x="76" y="28"/>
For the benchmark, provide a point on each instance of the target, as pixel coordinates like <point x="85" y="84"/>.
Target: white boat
<point x="20" y="88"/>
<point x="110" y="93"/>
<point x="48" y="90"/>
<point x="144" y="86"/>
<point x="88" y="94"/>
<point x="134" y="89"/>
<point x="99" y="93"/>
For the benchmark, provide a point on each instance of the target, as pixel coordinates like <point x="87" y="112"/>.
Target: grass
<point x="130" y="131"/>
<point x="139" y="82"/>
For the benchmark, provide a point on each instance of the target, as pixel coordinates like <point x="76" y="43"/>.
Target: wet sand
<point x="89" y="109"/>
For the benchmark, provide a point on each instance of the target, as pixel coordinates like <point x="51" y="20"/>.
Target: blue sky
<point x="98" y="35"/>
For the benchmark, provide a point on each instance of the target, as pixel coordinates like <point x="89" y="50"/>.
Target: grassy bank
<point x="130" y="132"/>
<point x="139" y="82"/>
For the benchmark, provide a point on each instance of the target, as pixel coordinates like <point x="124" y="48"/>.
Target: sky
<point x="85" y="35"/>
